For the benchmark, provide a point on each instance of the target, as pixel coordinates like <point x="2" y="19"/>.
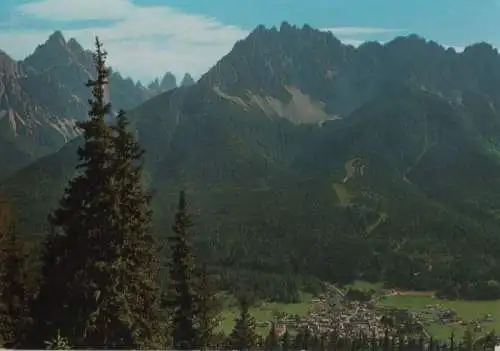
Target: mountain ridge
<point x="43" y="96"/>
<point x="383" y="165"/>
<point x="343" y="77"/>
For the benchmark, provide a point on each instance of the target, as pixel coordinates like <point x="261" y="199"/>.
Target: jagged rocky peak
<point x="154" y="84"/>
<point x="285" y="26"/>
<point x="268" y="61"/>
<point x="187" y="80"/>
<point x="54" y="51"/>
<point x="83" y="56"/>
<point x="45" y="94"/>
<point x="288" y="30"/>
<point x="260" y="29"/>
<point x="168" y="82"/>
<point x="56" y="38"/>
<point x="75" y="46"/>
<point x="270" y="65"/>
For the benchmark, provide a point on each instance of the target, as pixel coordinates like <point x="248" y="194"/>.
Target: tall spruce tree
<point x="99" y="285"/>
<point x="182" y="294"/>
<point x="243" y="336"/>
<point x="208" y="307"/>
<point x="138" y="260"/>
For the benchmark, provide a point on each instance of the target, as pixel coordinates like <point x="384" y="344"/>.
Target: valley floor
<point x="266" y="312"/>
<point x="438" y="317"/>
<point x="442" y="317"/>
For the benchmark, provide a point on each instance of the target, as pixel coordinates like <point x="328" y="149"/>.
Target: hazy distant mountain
<point x="43" y="96"/>
<point x="187" y="80"/>
<point x="303" y="154"/>
<point x="168" y="82"/>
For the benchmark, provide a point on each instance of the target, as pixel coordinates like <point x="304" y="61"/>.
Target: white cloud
<point x="142" y="41"/>
<point x="61" y="10"/>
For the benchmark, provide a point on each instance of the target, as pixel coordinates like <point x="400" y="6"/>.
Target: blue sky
<point x="146" y="38"/>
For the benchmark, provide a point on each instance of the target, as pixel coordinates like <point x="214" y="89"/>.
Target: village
<point x="333" y="312"/>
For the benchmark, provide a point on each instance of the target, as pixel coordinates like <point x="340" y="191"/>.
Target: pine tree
<point x="243" y="336"/>
<point x="138" y="262"/>
<point x="13" y="308"/>
<point x="77" y="227"/>
<point x="100" y="272"/>
<point x="182" y="296"/>
<point x="208" y="307"/>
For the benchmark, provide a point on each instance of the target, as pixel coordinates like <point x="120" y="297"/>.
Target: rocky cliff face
<point x="308" y="75"/>
<point x="43" y="96"/>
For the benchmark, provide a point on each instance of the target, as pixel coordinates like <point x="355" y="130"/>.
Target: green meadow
<point x="263" y="312"/>
<point x="466" y="310"/>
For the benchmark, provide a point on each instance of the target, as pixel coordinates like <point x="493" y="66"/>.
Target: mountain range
<point x="304" y="155"/>
<point x="44" y="95"/>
